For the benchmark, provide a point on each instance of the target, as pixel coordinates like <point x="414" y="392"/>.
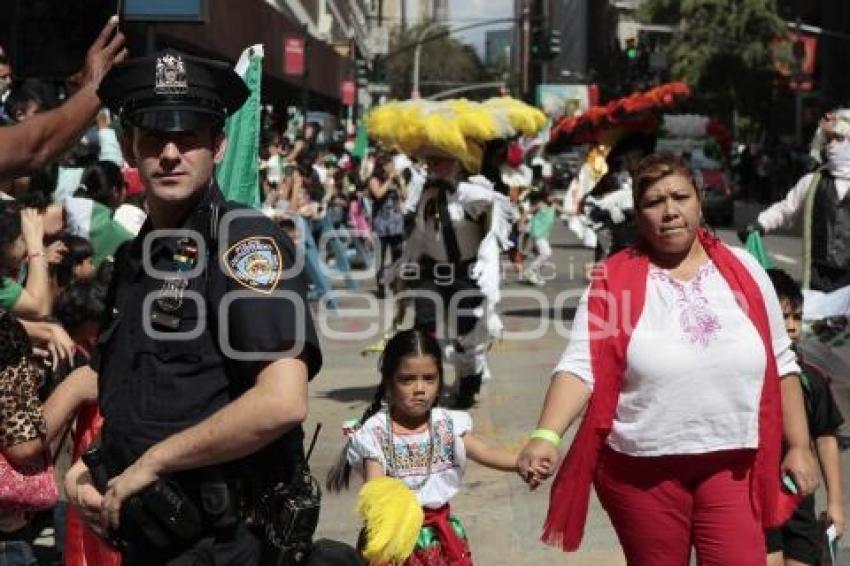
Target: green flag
<point x="755" y="245"/>
<point x="238" y="174"/>
<point x="361" y="142"/>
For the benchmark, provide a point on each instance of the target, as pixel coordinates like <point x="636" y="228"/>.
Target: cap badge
<point x="171" y="75"/>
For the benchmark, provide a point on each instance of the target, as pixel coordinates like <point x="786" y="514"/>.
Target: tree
<point x="443" y="60"/>
<point x="724" y="49"/>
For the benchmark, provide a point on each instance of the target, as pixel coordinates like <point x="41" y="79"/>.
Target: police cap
<point x="171" y="91"/>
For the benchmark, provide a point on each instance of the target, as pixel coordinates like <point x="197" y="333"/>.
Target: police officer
<point x="203" y="364"/>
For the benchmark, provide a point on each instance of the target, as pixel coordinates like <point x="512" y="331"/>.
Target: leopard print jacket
<point x="21" y="418"/>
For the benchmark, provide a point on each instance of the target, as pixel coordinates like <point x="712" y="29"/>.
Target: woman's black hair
<point x="413" y="342"/>
<point x="785" y="287"/>
<point x="101" y="180"/>
<point x="10" y="229"/>
<point x="78" y="250"/>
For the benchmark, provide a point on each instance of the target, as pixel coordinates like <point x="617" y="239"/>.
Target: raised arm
<point x="28" y="146"/>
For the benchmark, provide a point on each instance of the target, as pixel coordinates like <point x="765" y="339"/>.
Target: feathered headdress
<point x="457" y="128"/>
<point x="635" y="113"/>
<point x="393" y="518"/>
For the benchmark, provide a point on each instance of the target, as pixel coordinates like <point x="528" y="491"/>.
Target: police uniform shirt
<point x="151" y="388"/>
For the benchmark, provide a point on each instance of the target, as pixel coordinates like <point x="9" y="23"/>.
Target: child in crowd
<point x="77" y="263"/>
<point x="544" y="210"/>
<point x="403" y="434"/>
<point x="799" y="540"/>
<point x="80" y="308"/>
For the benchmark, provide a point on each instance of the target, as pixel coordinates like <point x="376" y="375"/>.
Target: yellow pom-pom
<point x="393" y="518"/>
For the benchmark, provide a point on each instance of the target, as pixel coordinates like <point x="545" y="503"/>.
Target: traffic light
<point x="555" y="42"/>
<point x="631" y="49"/>
<point x="543" y="40"/>
<point x="361" y="71"/>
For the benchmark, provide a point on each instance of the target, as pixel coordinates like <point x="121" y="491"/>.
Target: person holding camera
<point x="206" y="348"/>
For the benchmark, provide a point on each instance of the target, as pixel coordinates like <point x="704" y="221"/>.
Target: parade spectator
<point x="403" y="434"/>
<point x="823" y="200"/>
<point x="80" y="309"/>
<point x="29" y="146"/>
<point x="798" y="541"/>
<point x="22" y="244"/>
<point x="110" y="147"/>
<point x="5" y="85"/>
<point x="76" y="263"/>
<point x="303" y="151"/>
<point x="387" y="218"/>
<point x="272" y="164"/>
<point x="102" y="182"/>
<point x="684" y="448"/>
<point x="23" y="103"/>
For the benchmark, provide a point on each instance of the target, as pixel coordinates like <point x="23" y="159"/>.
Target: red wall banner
<point x="293" y="55"/>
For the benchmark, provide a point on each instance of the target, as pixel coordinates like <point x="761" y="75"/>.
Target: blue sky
<point x="464" y="12"/>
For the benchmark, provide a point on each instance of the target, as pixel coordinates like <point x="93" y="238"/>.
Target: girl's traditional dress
<point x="431" y="464"/>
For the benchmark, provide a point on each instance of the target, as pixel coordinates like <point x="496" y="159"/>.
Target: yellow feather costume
<point x="457" y="128"/>
<point x="393" y="518"/>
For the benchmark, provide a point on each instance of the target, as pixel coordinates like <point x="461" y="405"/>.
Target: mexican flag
<point x="238" y="174"/>
<point x="91" y="220"/>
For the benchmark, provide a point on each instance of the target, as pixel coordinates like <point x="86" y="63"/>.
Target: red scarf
<point x="614" y="307"/>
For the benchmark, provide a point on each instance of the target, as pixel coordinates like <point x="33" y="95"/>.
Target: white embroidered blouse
<point x="434" y="484"/>
<point x="695" y="365"/>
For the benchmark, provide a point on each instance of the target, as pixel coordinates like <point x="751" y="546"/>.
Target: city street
<point x="502" y="517"/>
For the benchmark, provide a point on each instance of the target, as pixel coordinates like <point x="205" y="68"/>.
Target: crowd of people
<point x="102" y="398"/>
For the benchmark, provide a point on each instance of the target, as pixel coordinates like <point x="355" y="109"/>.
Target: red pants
<point x="661" y="506"/>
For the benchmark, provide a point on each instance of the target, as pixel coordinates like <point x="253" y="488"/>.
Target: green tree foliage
<point x="724" y="49"/>
<point x="444" y="60"/>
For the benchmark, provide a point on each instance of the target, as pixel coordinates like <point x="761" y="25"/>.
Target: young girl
<point x="404" y="435"/>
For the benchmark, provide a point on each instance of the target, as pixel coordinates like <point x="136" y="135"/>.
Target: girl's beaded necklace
<point x="390" y="451"/>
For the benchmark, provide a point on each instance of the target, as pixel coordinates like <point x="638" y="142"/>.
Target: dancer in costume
<point x="823" y="198"/>
<point x="403" y="435"/>
<point x="462" y="223"/>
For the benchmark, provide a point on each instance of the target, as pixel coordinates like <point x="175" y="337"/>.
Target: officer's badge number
<point x="255" y="263"/>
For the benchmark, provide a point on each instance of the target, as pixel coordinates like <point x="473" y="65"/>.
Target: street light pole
<point x="417" y="53"/>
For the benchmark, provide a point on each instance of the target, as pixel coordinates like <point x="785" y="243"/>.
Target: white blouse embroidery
<point x="695" y="365"/>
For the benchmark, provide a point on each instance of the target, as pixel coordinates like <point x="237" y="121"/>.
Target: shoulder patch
<point x="255" y="263"/>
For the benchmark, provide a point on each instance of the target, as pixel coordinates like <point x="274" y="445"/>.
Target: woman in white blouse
<point x="676" y="354"/>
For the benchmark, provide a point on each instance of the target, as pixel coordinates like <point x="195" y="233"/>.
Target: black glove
<point x="744" y="233"/>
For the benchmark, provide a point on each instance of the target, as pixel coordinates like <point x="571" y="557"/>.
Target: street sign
<point x="293" y="55"/>
<point x="378" y="88"/>
<point x="379" y="41"/>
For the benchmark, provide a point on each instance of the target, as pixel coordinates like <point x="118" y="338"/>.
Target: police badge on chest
<point x="168" y="306"/>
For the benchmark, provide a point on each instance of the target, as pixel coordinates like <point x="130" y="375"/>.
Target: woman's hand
<point x="799" y="463"/>
<point x="835" y="515"/>
<point x="82" y="494"/>
<point x="59" y="344"/>
<point x="536" y="461"/>
<point x="32" y="230"/>
<point x="56" y="251"/>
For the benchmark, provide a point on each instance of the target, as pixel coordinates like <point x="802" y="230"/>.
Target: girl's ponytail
<point x="340" y="473"/>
